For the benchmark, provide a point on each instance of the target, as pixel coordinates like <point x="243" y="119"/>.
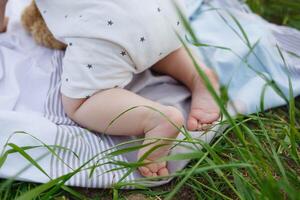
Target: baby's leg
<point x="97" y="112"/>
<point x="204" y="110"/>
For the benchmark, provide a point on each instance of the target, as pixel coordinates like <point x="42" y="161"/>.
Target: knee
<point x="71" y="107"/>
<point x="70" y="113"/>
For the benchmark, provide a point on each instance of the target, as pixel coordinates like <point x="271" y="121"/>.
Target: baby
<point x="108" y="42"/>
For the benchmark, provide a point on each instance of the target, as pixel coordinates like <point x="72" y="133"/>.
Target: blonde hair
<point x="34" y="23"/>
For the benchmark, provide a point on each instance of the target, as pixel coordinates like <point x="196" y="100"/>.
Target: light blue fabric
<point x="213" y="25"/>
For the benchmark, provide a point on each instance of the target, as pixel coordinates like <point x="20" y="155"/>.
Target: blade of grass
<point x="28" y="157"/>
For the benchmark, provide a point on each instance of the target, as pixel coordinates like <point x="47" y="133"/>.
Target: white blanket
<point x="30" y="100"/>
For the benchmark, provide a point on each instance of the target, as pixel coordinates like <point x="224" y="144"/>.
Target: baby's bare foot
<point x="154" y="169"/>
<point x="159" y="127"/>
<point x="204" y="110"/>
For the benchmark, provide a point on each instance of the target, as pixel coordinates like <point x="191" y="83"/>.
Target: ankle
<point x="168" y="118"/>
<point x="197" y="81"/>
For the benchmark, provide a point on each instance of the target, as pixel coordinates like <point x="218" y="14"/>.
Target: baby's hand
<point x="3" y="19"/>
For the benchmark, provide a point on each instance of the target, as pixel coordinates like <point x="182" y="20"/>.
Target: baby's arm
<point x="3" y="19"/>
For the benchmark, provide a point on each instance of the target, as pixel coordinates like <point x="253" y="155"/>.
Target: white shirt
<point x="110" y="40"/>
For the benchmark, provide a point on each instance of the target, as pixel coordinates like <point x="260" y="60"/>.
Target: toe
<point x="204" y="127"/>
<point x="145" y="171"/>
<point x="153" y="167"/>
<point x="192" y="124"/>
<point x="163" y="172"/>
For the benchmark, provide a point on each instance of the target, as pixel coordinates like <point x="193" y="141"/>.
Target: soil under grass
<point x="270" y="145"/>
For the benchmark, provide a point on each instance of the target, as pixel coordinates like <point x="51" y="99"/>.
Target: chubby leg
<point x="204" y="110"/>
<point x="97" y="112"/>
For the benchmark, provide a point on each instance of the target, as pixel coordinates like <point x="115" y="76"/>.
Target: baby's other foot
<point x="159" y="127"/>
<point x="204" y="110"/>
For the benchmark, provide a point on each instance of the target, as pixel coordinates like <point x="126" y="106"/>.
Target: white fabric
<point x="110" y="40"/>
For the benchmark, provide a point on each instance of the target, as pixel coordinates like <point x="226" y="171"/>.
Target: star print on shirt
<point x="142" y="39"/>
<point x="178" y="23"/>
<point x="123" y="53"/>
<point x="158" y="9"/>
<point x="66" y="16"/>
<point x="89" y="66"/>
<point x="110" y="22"/>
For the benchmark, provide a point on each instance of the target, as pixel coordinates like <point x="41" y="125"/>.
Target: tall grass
<point x="257" y="156"/>
<point x="283" y="12"/>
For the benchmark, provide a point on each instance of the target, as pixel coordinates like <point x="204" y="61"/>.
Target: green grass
<point x="282" y="12"/>
<point x="257" y="157"/>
